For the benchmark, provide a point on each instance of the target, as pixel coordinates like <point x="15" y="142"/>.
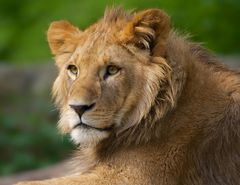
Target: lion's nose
<point x="80" y="109"/>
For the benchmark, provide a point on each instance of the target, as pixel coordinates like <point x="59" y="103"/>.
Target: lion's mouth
<point x="86" y="126"/>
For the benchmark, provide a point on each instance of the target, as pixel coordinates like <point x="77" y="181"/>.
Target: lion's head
<point x="111" y="74"/>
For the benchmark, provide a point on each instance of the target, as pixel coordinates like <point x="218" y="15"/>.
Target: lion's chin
<point x="88" y="136"/>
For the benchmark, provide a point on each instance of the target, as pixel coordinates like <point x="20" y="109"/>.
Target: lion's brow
<point x="130" y="51"/>
<point x="127" y="49"/>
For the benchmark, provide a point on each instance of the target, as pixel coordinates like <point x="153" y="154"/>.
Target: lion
<point x="144" y="105"/>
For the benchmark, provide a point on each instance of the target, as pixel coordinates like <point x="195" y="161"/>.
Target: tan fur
<point x="171" y="113"/>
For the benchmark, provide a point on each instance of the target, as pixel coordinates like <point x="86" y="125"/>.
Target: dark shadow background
<point x="28" y="135"/>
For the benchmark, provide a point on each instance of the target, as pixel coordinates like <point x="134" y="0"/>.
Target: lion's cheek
<point x="101" y="121"/>
<point x="69" y="119"/>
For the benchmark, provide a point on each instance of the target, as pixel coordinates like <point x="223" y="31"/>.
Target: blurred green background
<point x="28" y="137"/>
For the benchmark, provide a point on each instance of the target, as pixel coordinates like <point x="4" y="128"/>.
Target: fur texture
<point x="169" y="116"/>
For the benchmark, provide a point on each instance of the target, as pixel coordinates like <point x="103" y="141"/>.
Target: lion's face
<point x="106" y="82"/>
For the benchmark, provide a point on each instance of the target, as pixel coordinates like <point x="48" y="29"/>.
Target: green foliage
<point x="24" y="23"/>
<point x="28" y="135"/>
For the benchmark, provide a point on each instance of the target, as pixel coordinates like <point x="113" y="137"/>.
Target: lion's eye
<point x="72" y="71"/>
<point x="112" y="70"/>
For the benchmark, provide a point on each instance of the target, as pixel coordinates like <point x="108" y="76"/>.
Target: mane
<point x="114" y="18"/>
<point x="209" y="59"/>
<point x="151" y="127"/>
<point x="112" y="15"/>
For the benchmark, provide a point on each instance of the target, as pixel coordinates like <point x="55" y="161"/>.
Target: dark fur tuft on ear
<point x="147" y="29"/>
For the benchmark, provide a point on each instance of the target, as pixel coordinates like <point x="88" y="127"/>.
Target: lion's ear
<point x="62" y="37"/>
<point x="148" y="29"/>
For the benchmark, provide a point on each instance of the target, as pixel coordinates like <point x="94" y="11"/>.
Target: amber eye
<point x="72" y="71"/>
<point x="112" y="70"/>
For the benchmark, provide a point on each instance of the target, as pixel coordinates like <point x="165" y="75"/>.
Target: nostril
<point x="80" y="109"/>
